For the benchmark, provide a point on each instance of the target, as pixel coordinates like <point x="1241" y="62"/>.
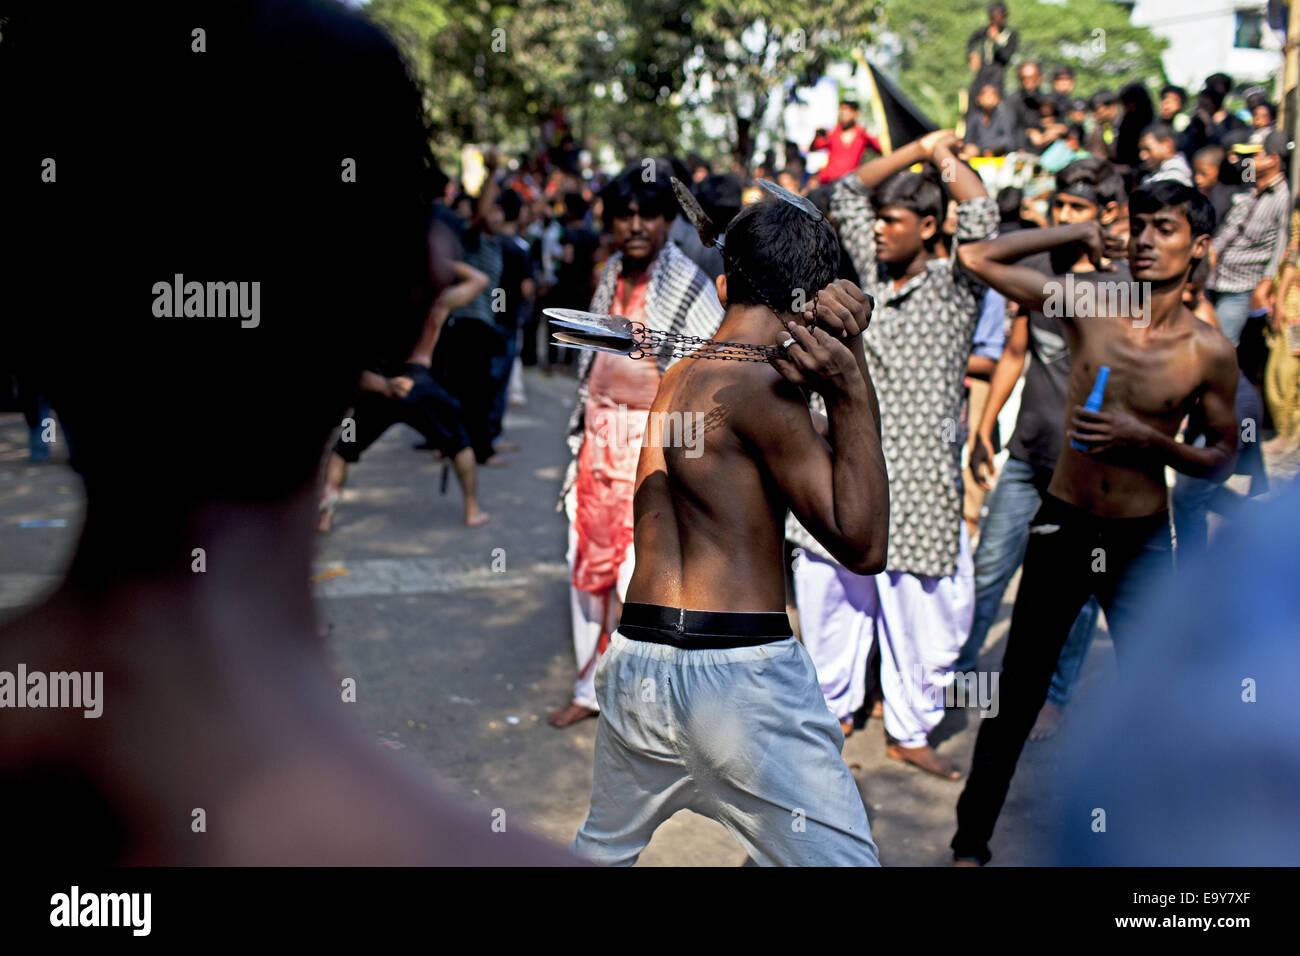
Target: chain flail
<point x="679" y="345"/>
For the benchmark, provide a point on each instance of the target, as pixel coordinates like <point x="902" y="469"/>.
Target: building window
<point x="1250" y="30"/>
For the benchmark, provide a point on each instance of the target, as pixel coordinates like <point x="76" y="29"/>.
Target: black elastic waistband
<point x="712" y="630"/>
<point x="1141" y="524"/>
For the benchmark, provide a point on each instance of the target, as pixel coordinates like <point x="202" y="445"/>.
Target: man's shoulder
<point x="751" y="393"/>
<point x="754" y="389"/>
<point x="1282" y="201"/>
<point x="1241" y="199"/>
<point x="746" y="375"/>
<point x="1218" y="353"/>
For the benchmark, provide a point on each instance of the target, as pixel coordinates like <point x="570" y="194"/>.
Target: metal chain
<point x="679" y="345"/>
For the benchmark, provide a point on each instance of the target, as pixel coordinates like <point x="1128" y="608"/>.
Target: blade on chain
<point x="592" y="331"/>
<point x="803" y="203"/>
<point x="709" y="232"/>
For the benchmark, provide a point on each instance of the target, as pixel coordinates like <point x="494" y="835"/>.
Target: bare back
<point x="709" y="524"/>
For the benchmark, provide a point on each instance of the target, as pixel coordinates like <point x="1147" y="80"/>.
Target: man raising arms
<point x="707" y="701"/>
<point x="1103" y="528"/>
<point x="1087" y="189"/>
<point x="890" y="220"/>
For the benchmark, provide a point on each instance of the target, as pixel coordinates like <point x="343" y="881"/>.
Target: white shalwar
<point x="592" y="614"/>
<point x="740" y="735"/>
<point x="922" y="623"/>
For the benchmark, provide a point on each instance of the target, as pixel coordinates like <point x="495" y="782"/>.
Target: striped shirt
<point x="1253" y="238"/>
<point x="486" y="258"/>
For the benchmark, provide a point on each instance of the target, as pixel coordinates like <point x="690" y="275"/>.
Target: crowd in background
<point x="547" y="229"/>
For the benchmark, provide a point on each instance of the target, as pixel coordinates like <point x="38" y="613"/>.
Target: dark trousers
<point x="502" y="366"/>
<point x="1072" y="554"/>
<point x="427" y="408"/>
<point x="464" y="358"/>
<point x="529" y="327"/>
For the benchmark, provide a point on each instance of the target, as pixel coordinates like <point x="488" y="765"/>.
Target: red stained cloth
<point x="620" y="392"/>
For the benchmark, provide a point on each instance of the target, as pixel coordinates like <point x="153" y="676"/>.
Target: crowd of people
<point x="961" y="282"/>
<point x="846" y="483"/>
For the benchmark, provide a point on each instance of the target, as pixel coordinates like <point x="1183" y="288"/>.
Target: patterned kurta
<point x="916" y="347"/>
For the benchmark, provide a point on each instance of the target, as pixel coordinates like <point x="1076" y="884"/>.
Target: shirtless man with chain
<point x="707" y="700"/>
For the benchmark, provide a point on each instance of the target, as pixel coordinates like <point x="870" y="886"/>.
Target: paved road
<point x="458" y="640"/>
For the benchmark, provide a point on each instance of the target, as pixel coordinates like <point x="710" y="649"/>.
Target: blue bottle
<point x="1093" y="404"/>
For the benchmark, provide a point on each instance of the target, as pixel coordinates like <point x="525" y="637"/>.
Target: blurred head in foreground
<point x="222" y="240"/>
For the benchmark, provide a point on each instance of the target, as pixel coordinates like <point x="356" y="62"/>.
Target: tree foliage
<point x="750" y="50"/>
<point x="625" y="70"/>
<point x="495" y="68"/>
<point x="1093" y="37"/>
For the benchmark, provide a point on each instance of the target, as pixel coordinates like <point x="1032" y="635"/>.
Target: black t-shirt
<point x="1040" y="426"/>
<point x="515" y="268"/>
<point x="1220" y="197"/>
<point x="994" y="57"/>
<point x="573" y="279"/>
<point x="1024" y="107"/>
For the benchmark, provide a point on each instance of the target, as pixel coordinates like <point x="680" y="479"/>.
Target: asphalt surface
<point x="459" y="642"/>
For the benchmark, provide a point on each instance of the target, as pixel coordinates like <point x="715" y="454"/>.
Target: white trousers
<point x="516" y="394"/>
<point x="593" y="613"/>
<point x="921" y="622"/>
<point x="739" y="735"/>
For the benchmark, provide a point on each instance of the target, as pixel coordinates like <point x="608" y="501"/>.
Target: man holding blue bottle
<point x="1103" y="528"/>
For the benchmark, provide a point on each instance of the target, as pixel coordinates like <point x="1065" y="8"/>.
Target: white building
<point x="1214" y="36"/>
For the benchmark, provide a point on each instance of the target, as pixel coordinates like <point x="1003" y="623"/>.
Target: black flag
<point x="898" y="119"/>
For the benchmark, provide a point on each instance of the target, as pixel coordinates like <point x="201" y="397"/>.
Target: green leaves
<point x="627" y="72"/>
<point x="494" y="68"/>
<point x="1093" y="37"/>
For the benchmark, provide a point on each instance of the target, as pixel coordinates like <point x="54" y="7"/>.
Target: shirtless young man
<point x="1086" y="189"/>
<point x="1103" y="528"/>
<point x="707" y="701"/>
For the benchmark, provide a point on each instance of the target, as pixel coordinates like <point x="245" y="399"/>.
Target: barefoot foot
<point x="1048" y="722"/>
<point x="325" y="513"/>
<point x="477" y="518"/>
<point x="925" y="758"/>
<point x="570" y="715"/>
<point x="847" y="727"/>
